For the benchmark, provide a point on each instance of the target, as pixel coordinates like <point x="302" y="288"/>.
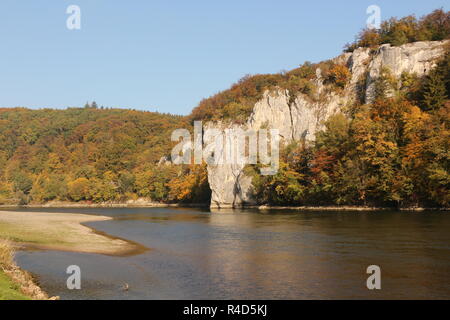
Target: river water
<point x="198" y="254"/>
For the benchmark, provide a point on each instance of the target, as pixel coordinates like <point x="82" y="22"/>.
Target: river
<point x="198" y="254"/>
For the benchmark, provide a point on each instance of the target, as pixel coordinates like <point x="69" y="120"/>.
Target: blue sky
<point x="166" y="55"/>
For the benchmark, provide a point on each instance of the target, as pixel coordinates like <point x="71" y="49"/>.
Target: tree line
<point x="432" y="27"/>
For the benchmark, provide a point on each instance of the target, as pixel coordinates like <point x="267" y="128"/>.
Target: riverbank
<point x="15" y="283"/>
<point x="139" y="203"/>
<point x="52" y="231"/>
<point x="62" y="231"/>
<point x="149" y="204"/>
<point x="348" y="208"/>
<point x="322" y="208"/>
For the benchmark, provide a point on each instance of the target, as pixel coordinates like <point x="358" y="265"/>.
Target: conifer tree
<point x="434" y="94"/>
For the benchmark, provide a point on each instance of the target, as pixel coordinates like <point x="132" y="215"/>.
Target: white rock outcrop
<point x="301" y="117"/>
<point x="230" y="187"/>
<point x="417" y="57"/>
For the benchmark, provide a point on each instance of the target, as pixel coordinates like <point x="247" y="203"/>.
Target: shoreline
<point x="64" y="232"/>
<point x="349" y="208"/>
<point x="17" y="284"/>
<point x="128" y="204"/>
<point x="50" y="231"/>
<point x="144" y="204"/>
<point x="22" y="284"/>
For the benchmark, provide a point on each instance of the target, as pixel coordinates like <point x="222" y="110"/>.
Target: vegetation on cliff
<point x="393" y="152"/>
<point x="236" y="103"/>
<point x="432" y="27"/>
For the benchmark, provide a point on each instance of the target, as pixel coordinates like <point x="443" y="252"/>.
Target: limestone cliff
<point x="300" y="117"/>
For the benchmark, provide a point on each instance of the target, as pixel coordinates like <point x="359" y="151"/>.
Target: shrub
<point x="339" y="75"/>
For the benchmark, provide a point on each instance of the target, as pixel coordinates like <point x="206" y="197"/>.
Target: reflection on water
<point x="197" y="254"/>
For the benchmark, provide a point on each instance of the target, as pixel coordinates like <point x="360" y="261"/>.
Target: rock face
<point x="300" y="117"/>
<point x="230" y="187"/>
<point x="417" y="57"/>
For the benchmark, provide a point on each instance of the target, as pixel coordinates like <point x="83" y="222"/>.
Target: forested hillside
<point x="91" y="154"/>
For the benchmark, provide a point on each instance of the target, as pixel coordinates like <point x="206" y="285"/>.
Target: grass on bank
<point x="59" y="231"/>
<point x="15" y="284"/>
<point x="10" y="290"/>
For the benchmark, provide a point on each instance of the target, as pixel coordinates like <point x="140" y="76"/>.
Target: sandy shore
<point x="62" y="231"/>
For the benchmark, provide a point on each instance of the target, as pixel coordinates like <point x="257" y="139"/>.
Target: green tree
<point x="434" y="92"/>
<point x="22" y="182"/>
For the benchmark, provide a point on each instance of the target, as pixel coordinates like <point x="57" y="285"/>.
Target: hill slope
<point x="86" y="154"/>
